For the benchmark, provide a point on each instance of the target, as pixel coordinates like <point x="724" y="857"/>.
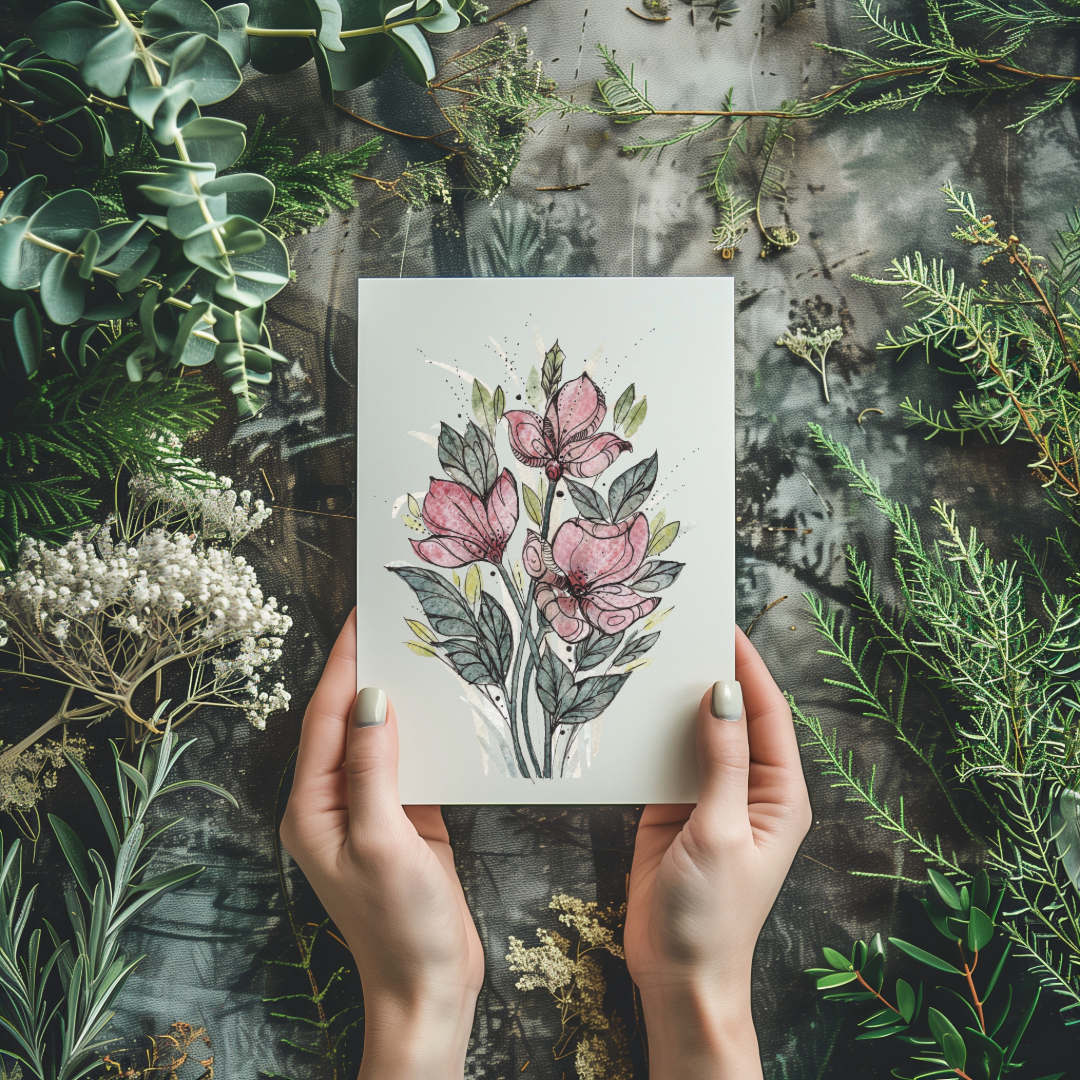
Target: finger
<point x="371" y="764"/>
<point x="428" y="823"/>
<point x="771" y="731"/>
<point x="322" y="739"/>
<point x="723" y="765"/>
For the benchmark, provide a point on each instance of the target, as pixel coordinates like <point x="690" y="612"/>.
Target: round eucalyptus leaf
<point x="232" y="32"/>
<point x="213" y="139"/>
<point x="75" y="346"/>
<point x="133" y="274"/>
<point x="159" y="107"/>
<point x="204" y="60"/>
<point x="415" y="53"/>
<point x="108" y="64"/>
<point x="23" y="199"/>
<point x="364" y="59"/>
<point x="275" y="56"/>
<point x="248" y="194"/>
<point x="327" y="15"/>
<point x="11" y="256"/>
<point x="88" y="249"/>
<point x="64" y="219"/>
<point x="3" y="162"/>
<point x="445" y="22"/>
<point x="69" y="31"/>
<point x="189" y="219"/>
<point x="62" y="294"/>
<point x="178" y="16"/>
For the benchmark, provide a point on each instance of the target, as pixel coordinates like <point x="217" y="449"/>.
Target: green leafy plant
<point x="53" y="1031"/>
<point x="977" y="1032"/>
<point x="1016" y="332"/>
<point x="998" y="641"/>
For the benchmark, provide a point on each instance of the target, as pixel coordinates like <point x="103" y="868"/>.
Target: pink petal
<point x="576" y="412"/>
<point x="445" y="551"/>
<point x="612" y="608"/>
<point x="592" y="457"/>
<point x="594" y="553"/>
<point x="564" y="614"/>
<point x="451" y="509"/>
<point x="527" y="438"/>
<point x="502" y="508"/>
<point x="532" y="555"/>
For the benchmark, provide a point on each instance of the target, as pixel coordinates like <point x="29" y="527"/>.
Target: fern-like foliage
<point x="309" y="188"/>
<point x="1016" y="332"/>
<point x="998" y="643"/>
<point x="969" y="47"/>
<point x="76" y="428"/>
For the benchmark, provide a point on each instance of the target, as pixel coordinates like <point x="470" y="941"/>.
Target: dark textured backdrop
<point x="862" y="191"/>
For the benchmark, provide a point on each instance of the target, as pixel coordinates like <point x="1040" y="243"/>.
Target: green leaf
<point x="497" y="634"/>
<point x="623" y="405"/>
<point x="589" y="698"/>
<point x="980" y="891"/>
<point x="533" y="507"/>
<point x="636" y="417"/>
<point x="328" y="13"/>
<point x="206" y="785"/>
<point x="533" y="392"/>
<point x="363" y="58"/>
<point x="232" y="32"/>
<point x="554" y="683"/>
<point x="108" y="64"/>
<point x="100" y="804"/>
<point x="166" y="17"/>
<point x="415" y="54"/>
<point x="62" y="290"/>
<point x="169" y="879"/>
<point x="826" y="982"/>
<point x="596" y="648"/>
<point x="474" y="584"/>
<point x="954" y="1050"/>
<point x="631" y="488"/>
<point x="499" y="401"/>
<point x="929" y="959"/>
<point x="880" y="1033"/>
<point x="215" y="140"/>
<point x="469" y="459"/>
<point x="483" y="407"/>
<point x="75" y="852"/>
<point x="979" y="931"/>
<point x="945" y="889"/>
<point x="664" y="538"/>
<point x="69" y="31"/>
<point x="905" y="1000"/>
<point x="940" y="1025"/>
<point x="422" y="632"/>
<point x="837" y="959"/>
<point x="589" y="502"/>
<point x="637" y="648"/>
<point x="552" y="373"/>
<point x="442" y="603"/>
<point x="420" y="648"/>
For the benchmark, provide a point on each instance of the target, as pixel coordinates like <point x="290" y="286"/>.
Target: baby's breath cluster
<point x="148" y="608"/>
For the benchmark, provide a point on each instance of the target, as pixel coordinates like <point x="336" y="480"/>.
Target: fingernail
<point x="726" y="700"/>
<point x="370" y="708"/>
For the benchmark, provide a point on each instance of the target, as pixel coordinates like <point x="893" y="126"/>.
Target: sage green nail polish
<point x="726" y="700"/>
<point x="370" y="708"/>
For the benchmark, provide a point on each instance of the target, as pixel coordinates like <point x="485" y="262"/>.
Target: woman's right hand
<point x="386" y="876"/>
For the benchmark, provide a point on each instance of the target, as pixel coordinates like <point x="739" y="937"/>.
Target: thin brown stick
<point x="393" y="131"/>
<point x="273" y="497"/>
<point x="506" y="11"/>
<point x="1014" y="251"/>
<point x="649" y="18"/>
<point x="858" y="975"/>
<point x="1041" y="76"/>
<point x="858" y="419"/>
<point x="565" y="187"/>
<point x="315" y="513"/>
<point x="968" y="972"/>
<point x="767" y="607"/>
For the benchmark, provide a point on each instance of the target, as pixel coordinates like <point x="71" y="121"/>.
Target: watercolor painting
<point x="545" y="552"/>
<point x="570" y="617"/>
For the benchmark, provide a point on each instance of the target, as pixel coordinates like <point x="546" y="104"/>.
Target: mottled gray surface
<point x="862" y="191"/>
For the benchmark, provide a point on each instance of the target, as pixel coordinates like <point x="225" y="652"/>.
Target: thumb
<point x="723" y="756"/>
<point x="371" y="762"/>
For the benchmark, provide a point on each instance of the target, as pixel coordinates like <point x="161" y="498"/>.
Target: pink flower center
<point x="553" y="470"/>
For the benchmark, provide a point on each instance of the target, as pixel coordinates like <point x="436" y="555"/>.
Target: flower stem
<point x="527" y="635"/>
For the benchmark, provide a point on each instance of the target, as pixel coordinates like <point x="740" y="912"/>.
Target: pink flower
<point x="580" y="575"/>
<point x="465" y="528"/>
<point x="564" y="440"/>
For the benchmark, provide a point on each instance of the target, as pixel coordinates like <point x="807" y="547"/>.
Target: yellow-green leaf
<point x="636" y="417"/>
<point x="533" y="506"/>
<point x="483" y="407"/>
<point x="424" y="633"/>
<point x="663" y="539"/>
<point x="414" y="507"/>
<point x="622" y="406"/>
<point x="533" y="394"/>
<point x="498" y="400"/>
<point x="412" y="522"/>
<point x="519" y="576"/>
<point x="420" y="649"/>
<point x="457" y="580"/>
<point x="639" y="663"/>
<point x="656" y="619"/>
<point x="474" y="584"/>
<point x="657" y="522"/>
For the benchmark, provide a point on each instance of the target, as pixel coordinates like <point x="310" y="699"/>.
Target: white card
<point x="545" y="530"/>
